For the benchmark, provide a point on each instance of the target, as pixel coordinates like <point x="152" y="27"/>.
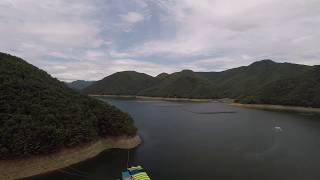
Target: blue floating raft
<point x="135" y="173"/>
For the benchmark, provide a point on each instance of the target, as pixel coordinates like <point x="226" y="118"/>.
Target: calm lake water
<point x="193" y="141"/>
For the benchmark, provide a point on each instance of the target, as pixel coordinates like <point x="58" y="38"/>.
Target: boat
<point x="135" y="173"/>
<point x="277" y="129"/>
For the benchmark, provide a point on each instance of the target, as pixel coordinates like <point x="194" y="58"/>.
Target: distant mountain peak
<point x="79" y="84"/>
<point x="264" y="61"/>
<point x="245" y="83"/>
<point x="127" y="72"/>
<point x="267" y="61"/>
<point x="125" y="82"/>
<point x="162" y="75"/>
<point x="80" y="81"/>
<point x="187" y="71"/>
<point x="134" y="73"/>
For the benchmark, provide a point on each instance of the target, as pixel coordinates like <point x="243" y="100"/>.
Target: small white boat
<point x="277" y="129"/>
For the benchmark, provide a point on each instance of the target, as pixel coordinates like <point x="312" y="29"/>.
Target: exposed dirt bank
<point x="279" y="108"/>
<point x="15" y="169"/>
<point x="162" y="98"/>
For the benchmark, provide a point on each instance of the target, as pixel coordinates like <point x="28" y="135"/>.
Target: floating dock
<point x="135" y="173"/>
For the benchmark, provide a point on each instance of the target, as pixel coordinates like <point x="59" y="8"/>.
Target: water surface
<point x="193" y="141"/>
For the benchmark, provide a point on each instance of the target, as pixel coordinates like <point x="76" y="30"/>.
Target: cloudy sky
<point x="90" y="39"/>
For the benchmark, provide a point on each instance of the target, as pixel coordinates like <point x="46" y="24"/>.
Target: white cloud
<point x="280" y="30"/>
<point x="91" y="39"/>
<point x="132" y="17"/>
<point x="33" y="29"/>
<point x="94" y="55"/>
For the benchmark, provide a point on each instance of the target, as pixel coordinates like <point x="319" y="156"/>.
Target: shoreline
<point x="271" y="107"/>
<point x="164" y="98"/>
<point x="283" y="108"/>
<point x="23" y="168"/>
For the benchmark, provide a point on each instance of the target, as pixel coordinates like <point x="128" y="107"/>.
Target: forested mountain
<point x="162" y="76"/>
<point x="40" y="115"/>
<point x="124" y="83"/>
<point x="79" y="84"/>
<point x="181" y="84"/>
<point x="302" y="90"/>
<point x="264" y="81"/>
<point x="246" y="80"/>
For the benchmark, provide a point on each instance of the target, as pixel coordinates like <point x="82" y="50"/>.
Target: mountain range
<point x="79" y="84"/>
<point x="262" y="82"/>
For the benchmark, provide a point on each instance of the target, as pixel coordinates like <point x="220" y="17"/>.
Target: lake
<point x="191" y="141"/>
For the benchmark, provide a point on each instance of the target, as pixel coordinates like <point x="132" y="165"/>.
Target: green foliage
<point x="121" y="83"/>
<point x="263" y="82"/>
<point x="182" y="84"/>
<point x="162" y="76"/>
<point x="40" y="115"/>
<point x="303" y="90"/>
<point x="79" y="84"/>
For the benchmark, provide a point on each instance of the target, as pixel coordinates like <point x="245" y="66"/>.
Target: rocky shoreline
<point x="22" y="168"/>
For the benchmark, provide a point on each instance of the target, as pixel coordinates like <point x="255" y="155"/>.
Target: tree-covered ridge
<point x="303" y="90"/>
<point x="124" y="83"/>
<point x="79" y="84"/>
<point x="182" y="84"/>
<point x="265" y="82"/>
<point x="39" y="114"/>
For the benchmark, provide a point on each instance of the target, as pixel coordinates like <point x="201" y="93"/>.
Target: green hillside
<point x="162" y="76"/>
<point x="79" y="84"/>
<point x="182" y="84"/>
<point x="303" y="90"/>
<point x="121" y="83"/>
<point x="40" y="115"/>
<point x="246" y="80"/>
<point x="261" y="82"/>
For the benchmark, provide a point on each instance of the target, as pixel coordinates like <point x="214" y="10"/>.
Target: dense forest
<point x="303" y="90"/>
<point x="126" y="83"/>
<point x="40" y="115"/>
<point x="79" y="84"/>
<point x="262" y="82"/>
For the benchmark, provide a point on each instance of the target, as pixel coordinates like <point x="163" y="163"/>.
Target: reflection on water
<point x="193" y="141"/>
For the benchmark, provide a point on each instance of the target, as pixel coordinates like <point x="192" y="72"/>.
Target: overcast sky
<point x="90" y="39"/>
